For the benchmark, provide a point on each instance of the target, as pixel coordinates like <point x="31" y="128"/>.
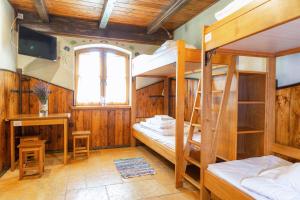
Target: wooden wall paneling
<point x="111" y="127"/>
<point x="3" y="149"/>
<point x="283" y="107"/>
<point x="150" y="101"/>
<point x="8" y="106"/>
<point x="295" y="117"/>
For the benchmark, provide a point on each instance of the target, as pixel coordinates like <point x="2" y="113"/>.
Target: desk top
<point x="21" y="117"/>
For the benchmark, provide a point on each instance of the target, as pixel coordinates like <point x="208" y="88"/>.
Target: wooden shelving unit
<point x="251" y="113"/>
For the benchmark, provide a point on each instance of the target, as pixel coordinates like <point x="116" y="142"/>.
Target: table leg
<point x="12" y="147"/>
<point x="65" y="141"/>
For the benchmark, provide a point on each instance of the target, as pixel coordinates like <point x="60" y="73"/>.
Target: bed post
<point x="270" y="131"/>
<point x="180" y="93"/>
<point x="206" y="104"/>
<point x="133" y="110"/>
<point x="166" y="96"/>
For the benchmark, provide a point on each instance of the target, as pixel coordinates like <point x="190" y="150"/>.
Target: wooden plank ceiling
<point x="126" y="12"/>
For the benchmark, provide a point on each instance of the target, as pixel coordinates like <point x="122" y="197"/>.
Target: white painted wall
<point x="288" y="70"/>
<point x="61" y="72"/>
<point x="191" y="31"/>
<point x="8" y="52"/>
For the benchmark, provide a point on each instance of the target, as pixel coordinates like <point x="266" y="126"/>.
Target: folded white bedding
<point x="163" y="124"/>
<point x="170" y="131"/>
<point x="231" y="8"/>
<point x="281" y="183"/>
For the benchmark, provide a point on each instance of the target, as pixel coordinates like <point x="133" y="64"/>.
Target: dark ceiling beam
<point x="165" y="15"/>
<point x="83" y="28"/>
<point x="108" y="8"/>
<point x="41" y="8"/>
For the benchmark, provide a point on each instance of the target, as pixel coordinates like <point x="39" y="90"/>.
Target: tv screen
<point x="36" y="44"/>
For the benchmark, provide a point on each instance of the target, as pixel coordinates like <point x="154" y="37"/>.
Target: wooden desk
<point x="36" y="120"/>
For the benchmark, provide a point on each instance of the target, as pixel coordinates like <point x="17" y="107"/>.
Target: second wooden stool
<point x="36" y="165"/>
<point x="81" y="136"/>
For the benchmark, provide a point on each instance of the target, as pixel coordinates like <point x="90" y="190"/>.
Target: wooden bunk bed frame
<point x="171" y="64"/>
<point x="233" y="31"/>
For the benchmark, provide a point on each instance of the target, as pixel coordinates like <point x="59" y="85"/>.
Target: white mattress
<point x="235" y="171"/>
<point x="231" y="8"/>
<point x="167" y="141"/>
<point x="145" y="62"/>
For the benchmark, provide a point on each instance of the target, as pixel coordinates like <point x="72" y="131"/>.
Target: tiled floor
<point x="96" y="178"/>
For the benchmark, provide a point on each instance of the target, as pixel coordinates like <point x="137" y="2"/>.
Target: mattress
<point x="145" y="62"/>
<point x="235" y="171"/>
<point x="231" y="8"/>
<point x="167" y="141"/>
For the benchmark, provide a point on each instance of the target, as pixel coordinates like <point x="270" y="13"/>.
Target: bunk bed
<point x="260" y="28"/>
<point x="173" y="62"/>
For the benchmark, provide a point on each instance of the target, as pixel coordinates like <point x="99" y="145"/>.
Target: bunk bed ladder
<point x="190" y="141"/>
<point x="194" y="124"/>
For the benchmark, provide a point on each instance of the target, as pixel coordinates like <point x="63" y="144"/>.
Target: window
<point x="101" y="76"/>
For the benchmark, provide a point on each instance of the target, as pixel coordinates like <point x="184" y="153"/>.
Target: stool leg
<point x="74" y="147"/>
<point x="41" y="155"/>
<point x="21" y="172"/>
<point x="88" y="146"/>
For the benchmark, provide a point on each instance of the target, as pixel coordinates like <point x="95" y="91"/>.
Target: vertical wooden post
<point x="270" y="132"/>
<point x="180" y="93"/>
<point x="206" y="106"/>
<point x="12" y="146"/>
<point x="133" y="110"/>
<point x="65" y="141"/>
<point x="166" y="96"/>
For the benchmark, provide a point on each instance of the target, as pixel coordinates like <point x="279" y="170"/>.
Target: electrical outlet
<point x="20" y="16"/>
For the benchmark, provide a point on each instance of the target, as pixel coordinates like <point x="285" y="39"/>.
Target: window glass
<point x="88" y="85"/>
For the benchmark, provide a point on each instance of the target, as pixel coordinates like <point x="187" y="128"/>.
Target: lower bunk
<point x="262" y="178"/>
<point x="162" y="144"/>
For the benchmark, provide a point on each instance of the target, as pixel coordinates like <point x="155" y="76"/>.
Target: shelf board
<point x="249" y="130"/>
<point x="251" y="102"/>
<point x="156" y="96"/>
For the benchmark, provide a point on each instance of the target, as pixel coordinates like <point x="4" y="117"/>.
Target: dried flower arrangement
<point x="42" y="92"/>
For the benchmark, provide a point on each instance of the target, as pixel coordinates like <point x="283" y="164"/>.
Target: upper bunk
<point x="163" y="63"/>
<point x="255" y="28"/>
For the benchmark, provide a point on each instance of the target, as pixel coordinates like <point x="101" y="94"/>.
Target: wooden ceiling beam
<point x="108" y="8"/>
<point x="84" y="28"/>
<point x="171" y="10"/>
<point x="41" y="8"/>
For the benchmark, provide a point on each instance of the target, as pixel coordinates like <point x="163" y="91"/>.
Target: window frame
<point x="103" y="74"/>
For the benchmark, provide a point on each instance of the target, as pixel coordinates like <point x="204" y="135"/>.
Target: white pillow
<point x="281" y="183"/>
<point x="267" y="187"/>
<point x="290" y="176"/>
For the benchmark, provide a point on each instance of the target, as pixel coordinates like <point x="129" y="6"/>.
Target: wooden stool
<point x="36" y="165"/>
<point x="81" y="135"/>
<point x="29" y="155"/>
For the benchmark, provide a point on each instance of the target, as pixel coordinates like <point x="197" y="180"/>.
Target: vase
<point x="43" y="108"/>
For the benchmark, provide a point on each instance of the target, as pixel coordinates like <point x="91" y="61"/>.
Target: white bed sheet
<point x="167" y="141"/>
<point x="235" y="171"/>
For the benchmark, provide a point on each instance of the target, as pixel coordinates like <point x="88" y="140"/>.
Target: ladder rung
<point x="193" y="161"/>
<point x="196" y="125"/>
<point x="198" y="144"/>
<point x="192" y="181"/>
<point x="214" y="91"/>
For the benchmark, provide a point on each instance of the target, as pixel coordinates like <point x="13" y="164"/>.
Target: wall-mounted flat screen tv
<point x="36" y="44"/>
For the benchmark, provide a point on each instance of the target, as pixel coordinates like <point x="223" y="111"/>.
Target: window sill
<point x="101" y="107"/>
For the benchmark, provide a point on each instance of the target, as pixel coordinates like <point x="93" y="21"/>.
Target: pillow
<point x="290" y="176"/>
<point x="277" y="183"/>
<point x="267" y="187"/>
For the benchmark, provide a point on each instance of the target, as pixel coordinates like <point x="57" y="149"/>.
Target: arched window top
<point x="105" y="46"/>
<point x="101" y="75"/>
